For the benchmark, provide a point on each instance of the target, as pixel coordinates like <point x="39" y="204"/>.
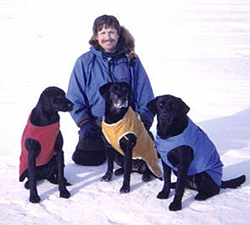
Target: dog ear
<point x="44" y="100"/>
<point x="104" y="90"/>
<point x="152" y="106"/>
<point x="184" y="108"/>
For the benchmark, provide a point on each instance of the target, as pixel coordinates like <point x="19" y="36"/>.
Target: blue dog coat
<point x="206" y="157"/>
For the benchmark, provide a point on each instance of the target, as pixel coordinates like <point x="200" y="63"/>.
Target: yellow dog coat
<point x="144" y="148"/>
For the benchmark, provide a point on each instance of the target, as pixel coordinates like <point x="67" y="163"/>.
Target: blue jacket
<point x="94" y="69"/>
<point x="206" y="157"/>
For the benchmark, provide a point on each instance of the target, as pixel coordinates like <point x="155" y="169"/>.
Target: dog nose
<point x="164" y="116"/>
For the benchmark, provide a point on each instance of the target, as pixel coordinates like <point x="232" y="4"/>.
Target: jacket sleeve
<point x="142" y="90"/>
<point x="76" y="92"/>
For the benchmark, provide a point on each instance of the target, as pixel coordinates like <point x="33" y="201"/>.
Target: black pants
<point x="89" y="151"/>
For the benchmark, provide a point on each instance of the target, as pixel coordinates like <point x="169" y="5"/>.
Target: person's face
<point x="107" y="38"/>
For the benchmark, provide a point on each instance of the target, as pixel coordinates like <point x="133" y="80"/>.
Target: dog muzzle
<point x="120" y="105"/>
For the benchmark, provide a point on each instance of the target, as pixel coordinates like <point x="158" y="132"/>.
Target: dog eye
<point x="58" y="97"/>
<point x="124" y="89"/>
<point x="115" y="88"/>
<point x="160" y="104"/>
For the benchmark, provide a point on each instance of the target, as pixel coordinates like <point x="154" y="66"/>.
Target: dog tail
<point x="233" y="183"/>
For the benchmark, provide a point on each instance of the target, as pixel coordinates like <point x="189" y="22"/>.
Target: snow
<point x="198" y="50"/>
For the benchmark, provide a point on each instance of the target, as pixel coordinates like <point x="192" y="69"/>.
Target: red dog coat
<point x="46" y="136"/>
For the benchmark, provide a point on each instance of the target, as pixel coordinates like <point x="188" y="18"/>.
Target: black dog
<point x="186" y="149"/>
<point x="126" y="133"/>
<point x="42" y="141"/>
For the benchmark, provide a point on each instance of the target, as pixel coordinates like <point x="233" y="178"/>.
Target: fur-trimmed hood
<point x="126" y="43"/>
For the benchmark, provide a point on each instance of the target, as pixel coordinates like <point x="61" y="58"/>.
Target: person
<point x="111" y="58"/>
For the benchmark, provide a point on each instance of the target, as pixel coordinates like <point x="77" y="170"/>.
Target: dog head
<point x="116" y="94"/>
<point x="53" y="99"/>
<point x="171" y="112"/>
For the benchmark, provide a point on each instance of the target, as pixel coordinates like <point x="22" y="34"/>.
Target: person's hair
<point x="103" y="21"/>
<point x="106" y="21"/>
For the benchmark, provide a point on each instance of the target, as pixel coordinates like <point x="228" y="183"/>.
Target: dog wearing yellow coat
<point x="125" y="132"/>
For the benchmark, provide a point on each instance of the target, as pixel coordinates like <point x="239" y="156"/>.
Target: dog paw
<point x="64" y="194"/>
<point x="107" y="177"/>
<point x="175" y="206"/>
<point x="119" y="172"/>
<point x="146" y="177"/>
<point x="163" y="195"/>
<point x="203" y="196"/>
<point x="34" y="199"/>
<point x="124" y="189"/>
<point x="200" y="197"/>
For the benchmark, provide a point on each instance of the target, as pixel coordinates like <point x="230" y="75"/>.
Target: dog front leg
<point x="127" y="171"/>
<point x="180" y="158"/>
<point x="167" y="181"/>
<point x="64" y="193"/>
<point x="110" y="161"/>
<point x="33" y="147"/>
<point x="127" y="144"/>
<point x="179" y="191"/>
<point x="180" y="184"/>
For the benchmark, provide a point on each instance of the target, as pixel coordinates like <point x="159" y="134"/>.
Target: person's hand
<point x="90" y="130"/>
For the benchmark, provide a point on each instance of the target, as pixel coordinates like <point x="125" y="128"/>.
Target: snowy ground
<point x="198" y="50"/>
